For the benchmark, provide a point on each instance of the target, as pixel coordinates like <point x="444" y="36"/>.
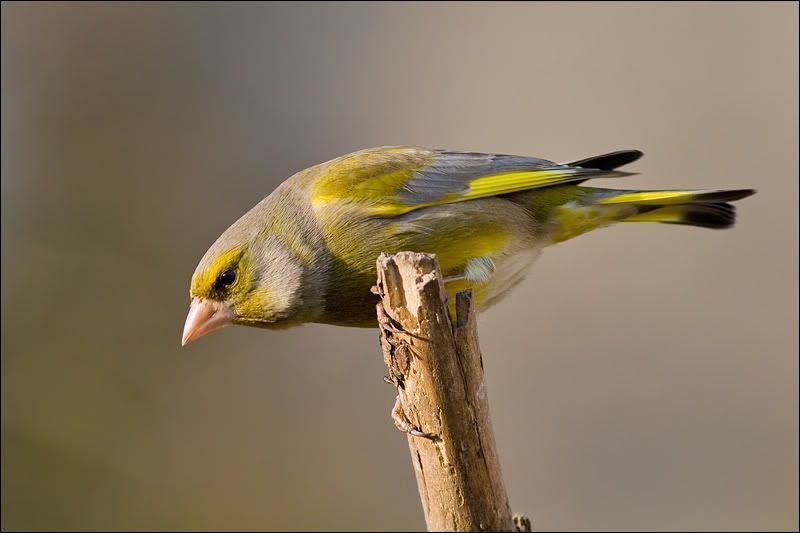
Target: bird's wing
<point x="395" y="180"/>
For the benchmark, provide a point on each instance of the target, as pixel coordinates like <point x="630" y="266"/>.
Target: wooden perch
<point x="442" y="402"/>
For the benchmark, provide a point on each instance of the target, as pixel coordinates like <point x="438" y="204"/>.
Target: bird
<point x="307" y="252"/>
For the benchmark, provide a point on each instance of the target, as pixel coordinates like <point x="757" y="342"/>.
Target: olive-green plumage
<point x="306" y="253"/>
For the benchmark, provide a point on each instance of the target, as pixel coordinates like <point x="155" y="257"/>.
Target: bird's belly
<point x="510" y="269"/>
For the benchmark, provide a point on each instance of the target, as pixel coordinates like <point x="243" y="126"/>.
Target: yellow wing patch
<point x="483" y="187"/>
<point x="509" y="182"/>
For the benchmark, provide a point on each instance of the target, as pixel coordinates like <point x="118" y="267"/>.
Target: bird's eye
<point x="227" y="278"/>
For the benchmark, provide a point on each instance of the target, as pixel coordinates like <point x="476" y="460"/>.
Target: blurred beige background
<point x="644" y="376"/>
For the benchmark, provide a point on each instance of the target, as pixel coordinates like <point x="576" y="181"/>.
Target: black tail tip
<point x="609" y="161"/>
<point x="738" y="194"/>
<point x="712" y="216"/>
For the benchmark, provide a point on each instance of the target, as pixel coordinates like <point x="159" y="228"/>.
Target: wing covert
<point x="395" y="180"/>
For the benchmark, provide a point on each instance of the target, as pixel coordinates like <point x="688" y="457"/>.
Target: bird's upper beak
<point x="204" y="317"/>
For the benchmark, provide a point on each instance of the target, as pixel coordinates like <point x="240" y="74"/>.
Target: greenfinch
<point x="307" y="252"/>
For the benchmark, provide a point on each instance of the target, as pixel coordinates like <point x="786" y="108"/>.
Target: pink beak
<point x="204" y="317"/>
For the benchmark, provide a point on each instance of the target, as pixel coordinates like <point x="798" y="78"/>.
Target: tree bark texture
<point x="437" y="368"/>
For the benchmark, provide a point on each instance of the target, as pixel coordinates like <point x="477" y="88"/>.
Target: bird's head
<point x="252" y="280"/>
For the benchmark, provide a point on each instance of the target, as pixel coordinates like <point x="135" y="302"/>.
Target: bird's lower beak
<point x="204" y="317"/>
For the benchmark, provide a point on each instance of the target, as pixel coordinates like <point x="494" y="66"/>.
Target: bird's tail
<point x="601" y="207"/>
<point x="707" y="209"/>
